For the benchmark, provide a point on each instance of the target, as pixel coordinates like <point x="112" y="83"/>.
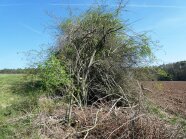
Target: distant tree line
<point x="166" y="72"/>
<point x="15" y="71"/>
<point x="174" y="71"/>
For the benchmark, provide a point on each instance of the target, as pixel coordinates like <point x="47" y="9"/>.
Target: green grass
<point x="18" y="98"/>
<point x="7" y="82"/>
<point x="170" y="118"/>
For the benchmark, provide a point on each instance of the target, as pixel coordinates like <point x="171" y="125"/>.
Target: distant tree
<point x="176" y="71"/>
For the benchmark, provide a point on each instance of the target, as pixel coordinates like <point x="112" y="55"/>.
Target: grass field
<point x="17" y="99"/>
<point x="7" y="95"/>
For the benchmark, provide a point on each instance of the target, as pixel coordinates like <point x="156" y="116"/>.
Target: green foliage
<point x="53" y="74"/>
<point x="163" y="75"/>
<point x="162" y="72"/>
<point x="175" y="71"/>
<point x="152" y="73"/>
<point x="145" y="73"/>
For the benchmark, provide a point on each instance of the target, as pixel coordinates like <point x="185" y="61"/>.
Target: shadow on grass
<point x="29" y="88"/>
<point x="28" y="93"/>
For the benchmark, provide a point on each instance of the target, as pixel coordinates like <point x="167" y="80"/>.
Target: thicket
<point x="94" y="56"/>
<point x="94" y="68"/>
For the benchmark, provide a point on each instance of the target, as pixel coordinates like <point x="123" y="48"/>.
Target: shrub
<point x="99" y="53"/>
<point x="93" y="58"/>
<point x="53" y="74"/>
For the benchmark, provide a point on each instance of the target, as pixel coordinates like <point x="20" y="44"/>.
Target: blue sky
<point x="25" y="25"/>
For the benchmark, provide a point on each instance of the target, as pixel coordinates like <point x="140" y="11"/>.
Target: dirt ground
<point x="170" y="95"/>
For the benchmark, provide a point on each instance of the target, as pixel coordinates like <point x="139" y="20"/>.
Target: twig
<point x="95" y="124"/>
<point x="124" y="124"/>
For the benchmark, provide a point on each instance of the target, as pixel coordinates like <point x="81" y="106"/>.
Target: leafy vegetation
<point x="53" y="74"/>
<point x="175" y="71"/>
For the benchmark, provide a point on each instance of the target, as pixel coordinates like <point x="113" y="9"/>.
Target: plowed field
<point x="170" y="95"/>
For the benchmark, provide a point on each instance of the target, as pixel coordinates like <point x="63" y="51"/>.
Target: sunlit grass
<point x="17" y="99"/>
<point x="7" y="95"/>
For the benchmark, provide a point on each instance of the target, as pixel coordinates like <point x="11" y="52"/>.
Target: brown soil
<point x="170" y="95"/>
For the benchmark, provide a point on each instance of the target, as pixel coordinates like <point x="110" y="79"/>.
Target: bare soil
<point x="170" y="95"/>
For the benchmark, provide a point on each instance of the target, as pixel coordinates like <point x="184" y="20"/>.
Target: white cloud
<point x="155" y="6"/>
<point x="129" y="5"/>
<point x="112" y="5"/>
<point x="31" y="28"/>
<point x="60" y="4"/>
